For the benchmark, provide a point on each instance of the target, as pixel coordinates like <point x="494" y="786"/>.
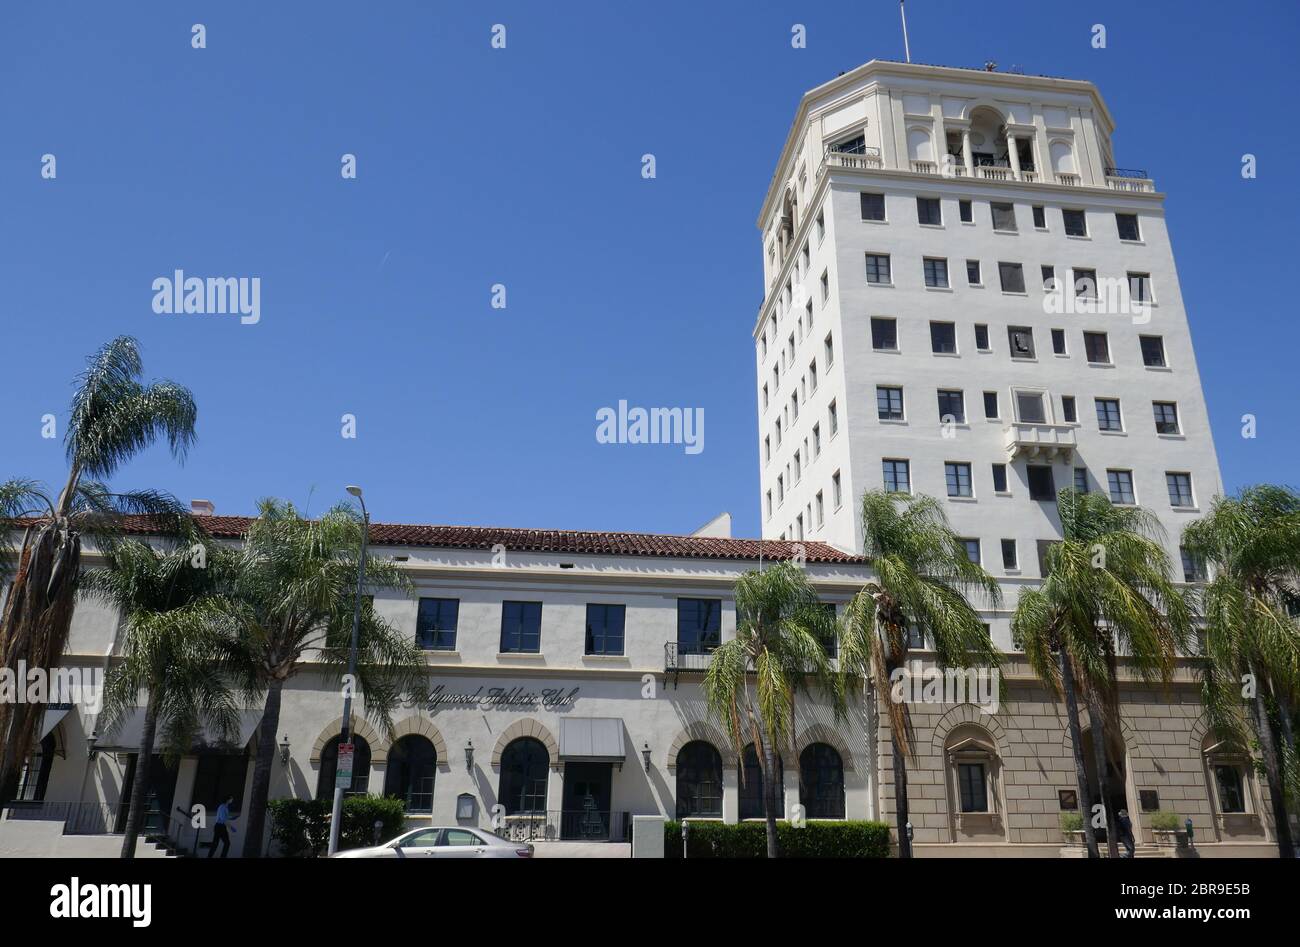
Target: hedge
<point x="854" y="839"/>
<point x="302" y="826"/>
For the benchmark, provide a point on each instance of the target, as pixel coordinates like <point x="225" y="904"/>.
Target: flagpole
<point x="907" y="50"/>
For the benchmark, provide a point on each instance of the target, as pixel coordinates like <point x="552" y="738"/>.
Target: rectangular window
<point x="898" y="476"/>
<point x="833" y="418"/>
<point x="829" y="350"/>
<point x="952" y="407"/>
<point x="1180" y="489"/>
<point x="1010" y="556"/>
<point x="1042" y="486"/>
<point x="957" y="477"/>
<point x="1139" y="287"/>
<point x="605" y="628"/>
<point x="973" y="273"/>
<point x="966" y="211"/>
<point x="1049" y="277"/>
<point x="928" y="212"/>
<point x="699" y="625"/>
<point x="1081" y="479"/>
<point x="878" y="268"/>
<point x="884" y="334"/>
<point x="974" y="795"/>
<point x="1022" y="341"/>
<point x="1108" y="416"/>
<point x="873" y="206"/>
<point x="1040" y="217"/>
<point x="1004" y="216"/>
<point x="943" y="338"/>
<point x="821" y="226"/>
<point x="821" y="509"/>
<point x="825" y="283"/>
<point x="1044" y="555"/>
<point x="836" y="497"/>
<point x="1076" y="223"/>
<point x="936" y="272"/>
<point x="817" y="440"/>
<point x="1228" y="781"/>
<point x="1097" y="348"/>
<point x="991" y="409"/>
<point x="812" y="375"/>
<point x="1120" y="483"/>
<point x="1153" y="351"/>
<point x="972" y="547"/>
<point x="1166" y="415"/>
<point x="1193" y="568"/>
<point x="1085" y="284"/>
<point x="1012" y="276"/>
<point x="1128" y="226"/>
<point x="435" y="624"/>
<point x="1029" y="407"/>
<point x="1058" y="341"/>
<point x="982" y="337"/>
<point x="1068" y="411"/>
<point x="999" y="478"/>
<point x="521" y="627"/>
<point x="889" y="403"/>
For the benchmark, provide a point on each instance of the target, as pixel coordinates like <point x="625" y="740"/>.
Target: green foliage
<point x="1166" y="821"/>
<point x="1071" y="822"/>
<point x="853" y="839"/>
<point x="360" y="813"/>
<point x="300" y="826"/>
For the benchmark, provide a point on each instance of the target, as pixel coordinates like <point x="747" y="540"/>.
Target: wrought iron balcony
<point x="1048" y="441"/>
<point x="682" y="657"/>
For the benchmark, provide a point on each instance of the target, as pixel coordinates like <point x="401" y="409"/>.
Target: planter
<point x="1170" y="838"/>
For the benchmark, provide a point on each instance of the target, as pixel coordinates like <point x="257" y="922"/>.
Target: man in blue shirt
<point x="221" y="829"/>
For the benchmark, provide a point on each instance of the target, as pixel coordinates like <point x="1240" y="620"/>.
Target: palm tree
<point x="923" y="577"/>
<point x="113" y="417"/>
<point x="1251" y="634"/>
<point x="170" y="651"/>
<point x="1107" y="591"/>
<point x="781" y="634"/>
<point x="290" y="602"/>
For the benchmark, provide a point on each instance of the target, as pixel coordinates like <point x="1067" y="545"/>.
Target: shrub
<point x="300" y="826"/>
<point x="1165" y="821"/>
<point x="1071" y="822"/>
<point x="854" y="839"/>
<point x="360" y="813"/>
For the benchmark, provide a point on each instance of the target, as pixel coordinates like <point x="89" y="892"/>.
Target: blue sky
<point x="522" y="166"/>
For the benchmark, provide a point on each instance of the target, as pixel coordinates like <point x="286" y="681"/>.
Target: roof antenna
<point x="902" y="11"/>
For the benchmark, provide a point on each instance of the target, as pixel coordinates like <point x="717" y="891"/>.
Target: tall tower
<point x="965" y="297"/>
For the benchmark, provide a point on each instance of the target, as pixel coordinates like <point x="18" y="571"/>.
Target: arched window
<point x="751" y="791"/>
<point x="821" y="782"/>
<point x="699" y="781"/>
<point x="329" y="761"/>
<point x="523" y="776"/>
<point x="412" y="764"/>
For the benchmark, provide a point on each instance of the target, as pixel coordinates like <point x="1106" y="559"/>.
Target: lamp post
<point x="336" y="814"/>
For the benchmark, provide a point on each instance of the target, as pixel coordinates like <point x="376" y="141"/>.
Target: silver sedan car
<point x="443" y="842"/>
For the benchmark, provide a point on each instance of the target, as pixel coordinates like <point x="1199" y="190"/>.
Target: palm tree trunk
<point x="769" y="797"/>
<point x="1076" y="738"/>
<point x="140" y="785"/>
<point x="255" y="824"/>
<point x="900" y="797"/>
<point x="1103" y="780"/>
<point x="1273" y="770"/>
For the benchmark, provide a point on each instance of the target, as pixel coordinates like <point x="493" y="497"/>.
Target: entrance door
<point x="158" y="794"/>
<point x="586" y="812"/>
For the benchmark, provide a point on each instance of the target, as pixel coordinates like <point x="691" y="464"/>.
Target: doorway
<point x="586" y="814"/>
<point x="1116" y="779"/>
<point x="160" y="788"/>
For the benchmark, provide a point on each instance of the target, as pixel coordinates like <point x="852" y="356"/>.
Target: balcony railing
<point x="869" y="159"/>
<point x="1116" y="179"/>
<point x="682" y="657"/>
<point x="1049" y="441"/>
<point x="561" y="825"/>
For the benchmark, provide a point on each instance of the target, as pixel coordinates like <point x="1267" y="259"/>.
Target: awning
<point x="54" y="713"/>
<point x="127" y="735"/>
<point x="592" y="739"/>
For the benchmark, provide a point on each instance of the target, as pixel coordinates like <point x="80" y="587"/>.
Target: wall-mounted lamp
<point x="645" y="755"/>
<point x="469" y="757"/>
<point x="909" y="832"/>
<point x="284" y="750"/>
<point x="91" y="742"/>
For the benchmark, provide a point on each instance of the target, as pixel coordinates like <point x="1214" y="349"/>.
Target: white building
<point x="916" y="222"/>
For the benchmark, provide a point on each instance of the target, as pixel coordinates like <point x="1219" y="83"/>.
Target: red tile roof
<point x="562" y="541"/>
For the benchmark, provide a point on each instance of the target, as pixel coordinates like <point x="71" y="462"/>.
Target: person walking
<point x="1126" y="832"/>
<point x="221" y="829"/>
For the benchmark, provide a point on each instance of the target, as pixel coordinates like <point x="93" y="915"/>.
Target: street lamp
<point x="284" y="750"/>
<point x="336" y="816"/>
<point x="91" y="741"/>
<point x="645" y="755"/>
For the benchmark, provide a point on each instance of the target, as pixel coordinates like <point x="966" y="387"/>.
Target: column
<point x="1014" y="154"/>
<point x="967" y="158"/>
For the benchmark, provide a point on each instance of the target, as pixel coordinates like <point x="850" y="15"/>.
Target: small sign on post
<point x="343" y="773"/>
